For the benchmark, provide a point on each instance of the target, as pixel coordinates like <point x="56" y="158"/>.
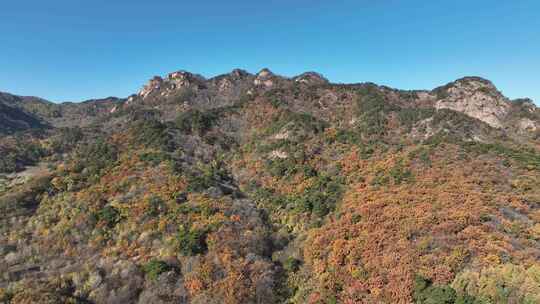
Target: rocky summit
<point x="259" y="188"/>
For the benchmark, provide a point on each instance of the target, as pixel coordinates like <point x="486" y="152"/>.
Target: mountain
<point x="14" y="118"/>
<point x="60" y="114"/>
<point x="259" y="188"/>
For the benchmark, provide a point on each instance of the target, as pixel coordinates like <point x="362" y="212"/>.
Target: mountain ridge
<point x="474" y="96"/>
<point x="236" y="72"/>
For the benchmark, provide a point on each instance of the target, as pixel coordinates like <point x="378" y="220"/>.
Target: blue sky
<point x="71" y="50"/>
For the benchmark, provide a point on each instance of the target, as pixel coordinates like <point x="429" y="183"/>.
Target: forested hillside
<point x="259" y="188"/>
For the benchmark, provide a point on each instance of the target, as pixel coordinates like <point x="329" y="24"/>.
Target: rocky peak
<point x="173" y="81"/>
<point x="265" y="73"/>
<point x="475" y="97"/>
<point x="178" y="75"/>
<point x="264" y="78"/>
<point x="183" y="79"/>
<point x="153" y="84"/>
<point x="311" y="78"/>
<point x="475" y="82"/>
<point x="239" y="74"/>
<point x="184" y="76"/>
<point x="227" y="82"/>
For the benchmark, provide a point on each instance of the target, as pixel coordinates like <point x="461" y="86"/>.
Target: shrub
<point x="155" y="267"/>
<point x="380" y="179"/>
<point x="291" y="264"/>
<point x="320" y="198"/>
<point x="22" y="153"/>
<point x="55" y="290"/>
<point x="427" y="293"/>
<point x="5" y="296"/>
<point x="356" y="218"/>
<point x="155" y="206"/>
<point x="442" y="92"/>
<point x="191" y="242"/>
<point x="185" y="94"/>
<point x="456" y="121"/>
<point x="307" y="122"/>
<point x="109" y="216"/>
<point x="276" y="102"/>
<point x="66" y="139"/>
<point x="152" y="133"/>
<point x="206" y="176"/>
<point x="26" y="195"/>
<point x="424" y="157"/>
<point x="195" y="121"/>
<point x="409" y="116"/>
<point x="347" y="137"/>
<point x="527" y="158"/>
<point x="281" y="167"/>
<point x="507" y="283"/>
<point x="95" y="157"/>
<point x="373" y="109"/>
<point x="276" y="97"/>
<point x="264" y="195"/>
<point x="154" y="158"/>
<point x="399" y="174"/>
<point x="303" y="123"/>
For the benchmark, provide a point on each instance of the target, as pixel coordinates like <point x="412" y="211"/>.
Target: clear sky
<point x="79" y="49"/>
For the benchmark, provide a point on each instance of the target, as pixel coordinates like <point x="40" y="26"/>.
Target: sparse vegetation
<point x="19" y="153"/>
<point x="372" y="109"/>
<point x="196" y="122"/>
<point x="191" y="241"/>
<point x="156" y="267"/>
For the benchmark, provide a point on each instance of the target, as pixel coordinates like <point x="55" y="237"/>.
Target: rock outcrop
<point x="311" y="78"/>
<point x="475" y="97"/>
<point x="264" y="78"/>
<point x="154" y="84"/>
<point x="182" y="79"/>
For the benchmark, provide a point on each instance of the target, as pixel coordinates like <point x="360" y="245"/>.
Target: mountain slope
<point x="13" y="119"/>
<point x="65" y="114"/>
<point x="257" y="188"/>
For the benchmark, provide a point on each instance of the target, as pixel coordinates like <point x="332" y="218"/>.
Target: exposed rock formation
<point x="264" y="78"/>
<point x="311" y="78"/>
<point x="475" y="97"/>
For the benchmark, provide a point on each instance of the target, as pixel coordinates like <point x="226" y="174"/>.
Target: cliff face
<point x="475" y="97"/>
<point x="259" y="188"/>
